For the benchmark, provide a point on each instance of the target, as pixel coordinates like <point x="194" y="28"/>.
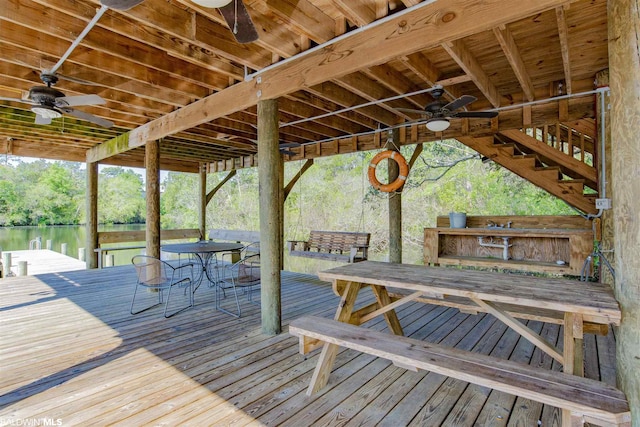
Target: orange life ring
<point x="402" y="176"/>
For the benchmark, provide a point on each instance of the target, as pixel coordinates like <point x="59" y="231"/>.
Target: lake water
<point x="18" y="238"/>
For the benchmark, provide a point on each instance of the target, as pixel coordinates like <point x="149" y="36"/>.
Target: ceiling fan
<point x="439" y="111"/>
<point x="233" y="11"/>
<point x="49" y="103"/>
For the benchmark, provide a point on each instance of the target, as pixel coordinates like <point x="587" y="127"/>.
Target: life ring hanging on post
<point x="402" y="175"/>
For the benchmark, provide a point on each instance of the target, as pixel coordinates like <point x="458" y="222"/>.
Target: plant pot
<point x="457" y="220"/>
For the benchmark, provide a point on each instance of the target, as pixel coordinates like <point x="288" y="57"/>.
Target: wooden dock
<point x="70" y="351"/>
<point x="41" y="261"/>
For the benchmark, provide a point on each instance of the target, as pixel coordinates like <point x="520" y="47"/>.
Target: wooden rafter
<point x="156" y="64"/>
<point x="471" y="66"/>
<point x="563" y="33"/>
<point x="373" y="47"/>
<point x="510" y="49"/>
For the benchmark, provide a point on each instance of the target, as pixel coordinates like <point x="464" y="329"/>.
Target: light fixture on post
<point x="438" y="124"/>
<point x="212" y="3"/>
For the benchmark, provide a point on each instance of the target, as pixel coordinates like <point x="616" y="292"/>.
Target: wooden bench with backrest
<point x="587" y="400"/>
<point x="333" y="246"/>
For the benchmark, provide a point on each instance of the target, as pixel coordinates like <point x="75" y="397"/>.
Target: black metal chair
<point x="158" y="275"/>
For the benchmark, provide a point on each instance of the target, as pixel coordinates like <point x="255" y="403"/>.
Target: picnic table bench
<point x="586" y="399"/>
<point x="576" y="303"/>
<point x="333" y="246"/>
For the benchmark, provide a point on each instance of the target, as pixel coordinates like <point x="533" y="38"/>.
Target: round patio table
<point x="203" y="252"/>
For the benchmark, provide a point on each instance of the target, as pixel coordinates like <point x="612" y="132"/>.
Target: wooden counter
<point x="560" y="251"/>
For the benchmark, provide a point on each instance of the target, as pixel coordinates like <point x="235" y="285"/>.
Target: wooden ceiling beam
<point x="420" y="65"/>
<point x="303" y="110"/>
<point x="397" y="83"/>
<point x="359" y="13"/>
<point x="319" y="101"/>
<point x="510" y="49"/>
<point x="472" y="67"/>
<point x="304" y="18"/>
<point x="419" y="28"/>
<point x="177" y="22"/>
<point x="563" y="33"/>
<point x="101" y="78"/>
<point x="371" y="91"/>
<point x="274" y="37"/>
<point x="116" y="36"/>
<point x="367" y="116"/>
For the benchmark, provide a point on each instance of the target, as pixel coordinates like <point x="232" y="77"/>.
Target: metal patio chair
<point x="160" y="276"/>
<point x="244" y="273"/>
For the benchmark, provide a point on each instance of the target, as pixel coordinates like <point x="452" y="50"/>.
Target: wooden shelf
<point x="513" y="232"/>
<point x="522" y="265"/>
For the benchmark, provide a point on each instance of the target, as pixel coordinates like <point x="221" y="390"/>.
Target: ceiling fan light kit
<point x="212" y="3"/>
<point x="438" y="125"/>
<point x="439" y="111"/>
<point x="46" y="112"/>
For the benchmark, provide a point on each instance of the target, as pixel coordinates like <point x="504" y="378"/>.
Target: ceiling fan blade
<point x="72" y="101"/>
<point x="478" y="114"/>
<point x="410" y="110"/>
<point x="88" y="117"/>
<point x="460" y="102"/>
<point x="42" y="120"/>
<point x="239" y="22"/>
<point x="76" y="80"/>
<point x="120" y="4"/>
<point x="24" y="101"/>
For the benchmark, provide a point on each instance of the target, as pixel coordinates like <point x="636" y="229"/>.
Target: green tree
<point x="179" y="201"/>
<point x="54" y="198"/>
<point x="120" y="197"/>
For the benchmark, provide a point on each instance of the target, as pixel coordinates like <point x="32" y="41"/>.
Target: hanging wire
<point x="390" y="141"/>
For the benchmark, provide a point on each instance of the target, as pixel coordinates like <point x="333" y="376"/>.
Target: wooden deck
<point x="42" y="261"/>
<point x="70" y="351"/>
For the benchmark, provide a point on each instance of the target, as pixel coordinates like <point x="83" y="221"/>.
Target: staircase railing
<point x="566" y="139"/>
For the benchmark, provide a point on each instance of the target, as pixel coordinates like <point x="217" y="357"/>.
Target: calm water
<point x="18" y="238"/>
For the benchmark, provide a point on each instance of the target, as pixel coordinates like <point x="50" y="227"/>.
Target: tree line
<point x="53" y="193"/>
<point x="334" y="194"/>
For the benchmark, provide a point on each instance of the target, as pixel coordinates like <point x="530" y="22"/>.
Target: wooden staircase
<point x="556" y="158"/>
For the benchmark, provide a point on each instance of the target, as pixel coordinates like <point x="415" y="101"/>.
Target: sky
<point x="12" y="160"/>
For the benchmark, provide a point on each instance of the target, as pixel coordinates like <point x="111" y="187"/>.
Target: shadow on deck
<point x="70" y="351"/>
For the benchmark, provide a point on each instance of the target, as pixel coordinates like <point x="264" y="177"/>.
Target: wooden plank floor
<point x="42" y="261"/>
<point x="70" y="351"/>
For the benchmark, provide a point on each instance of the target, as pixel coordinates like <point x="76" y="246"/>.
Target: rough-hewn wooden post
<point x="624" y="81"/>
<point x="281" y="198"/>
<point x="202" y="202"/>
<point x="270" y="186"/>
<point x="152" y="165"/>
<point x="395" y="205"/>
<point x="606" y="222"/>
<point x="91" y="243"/>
